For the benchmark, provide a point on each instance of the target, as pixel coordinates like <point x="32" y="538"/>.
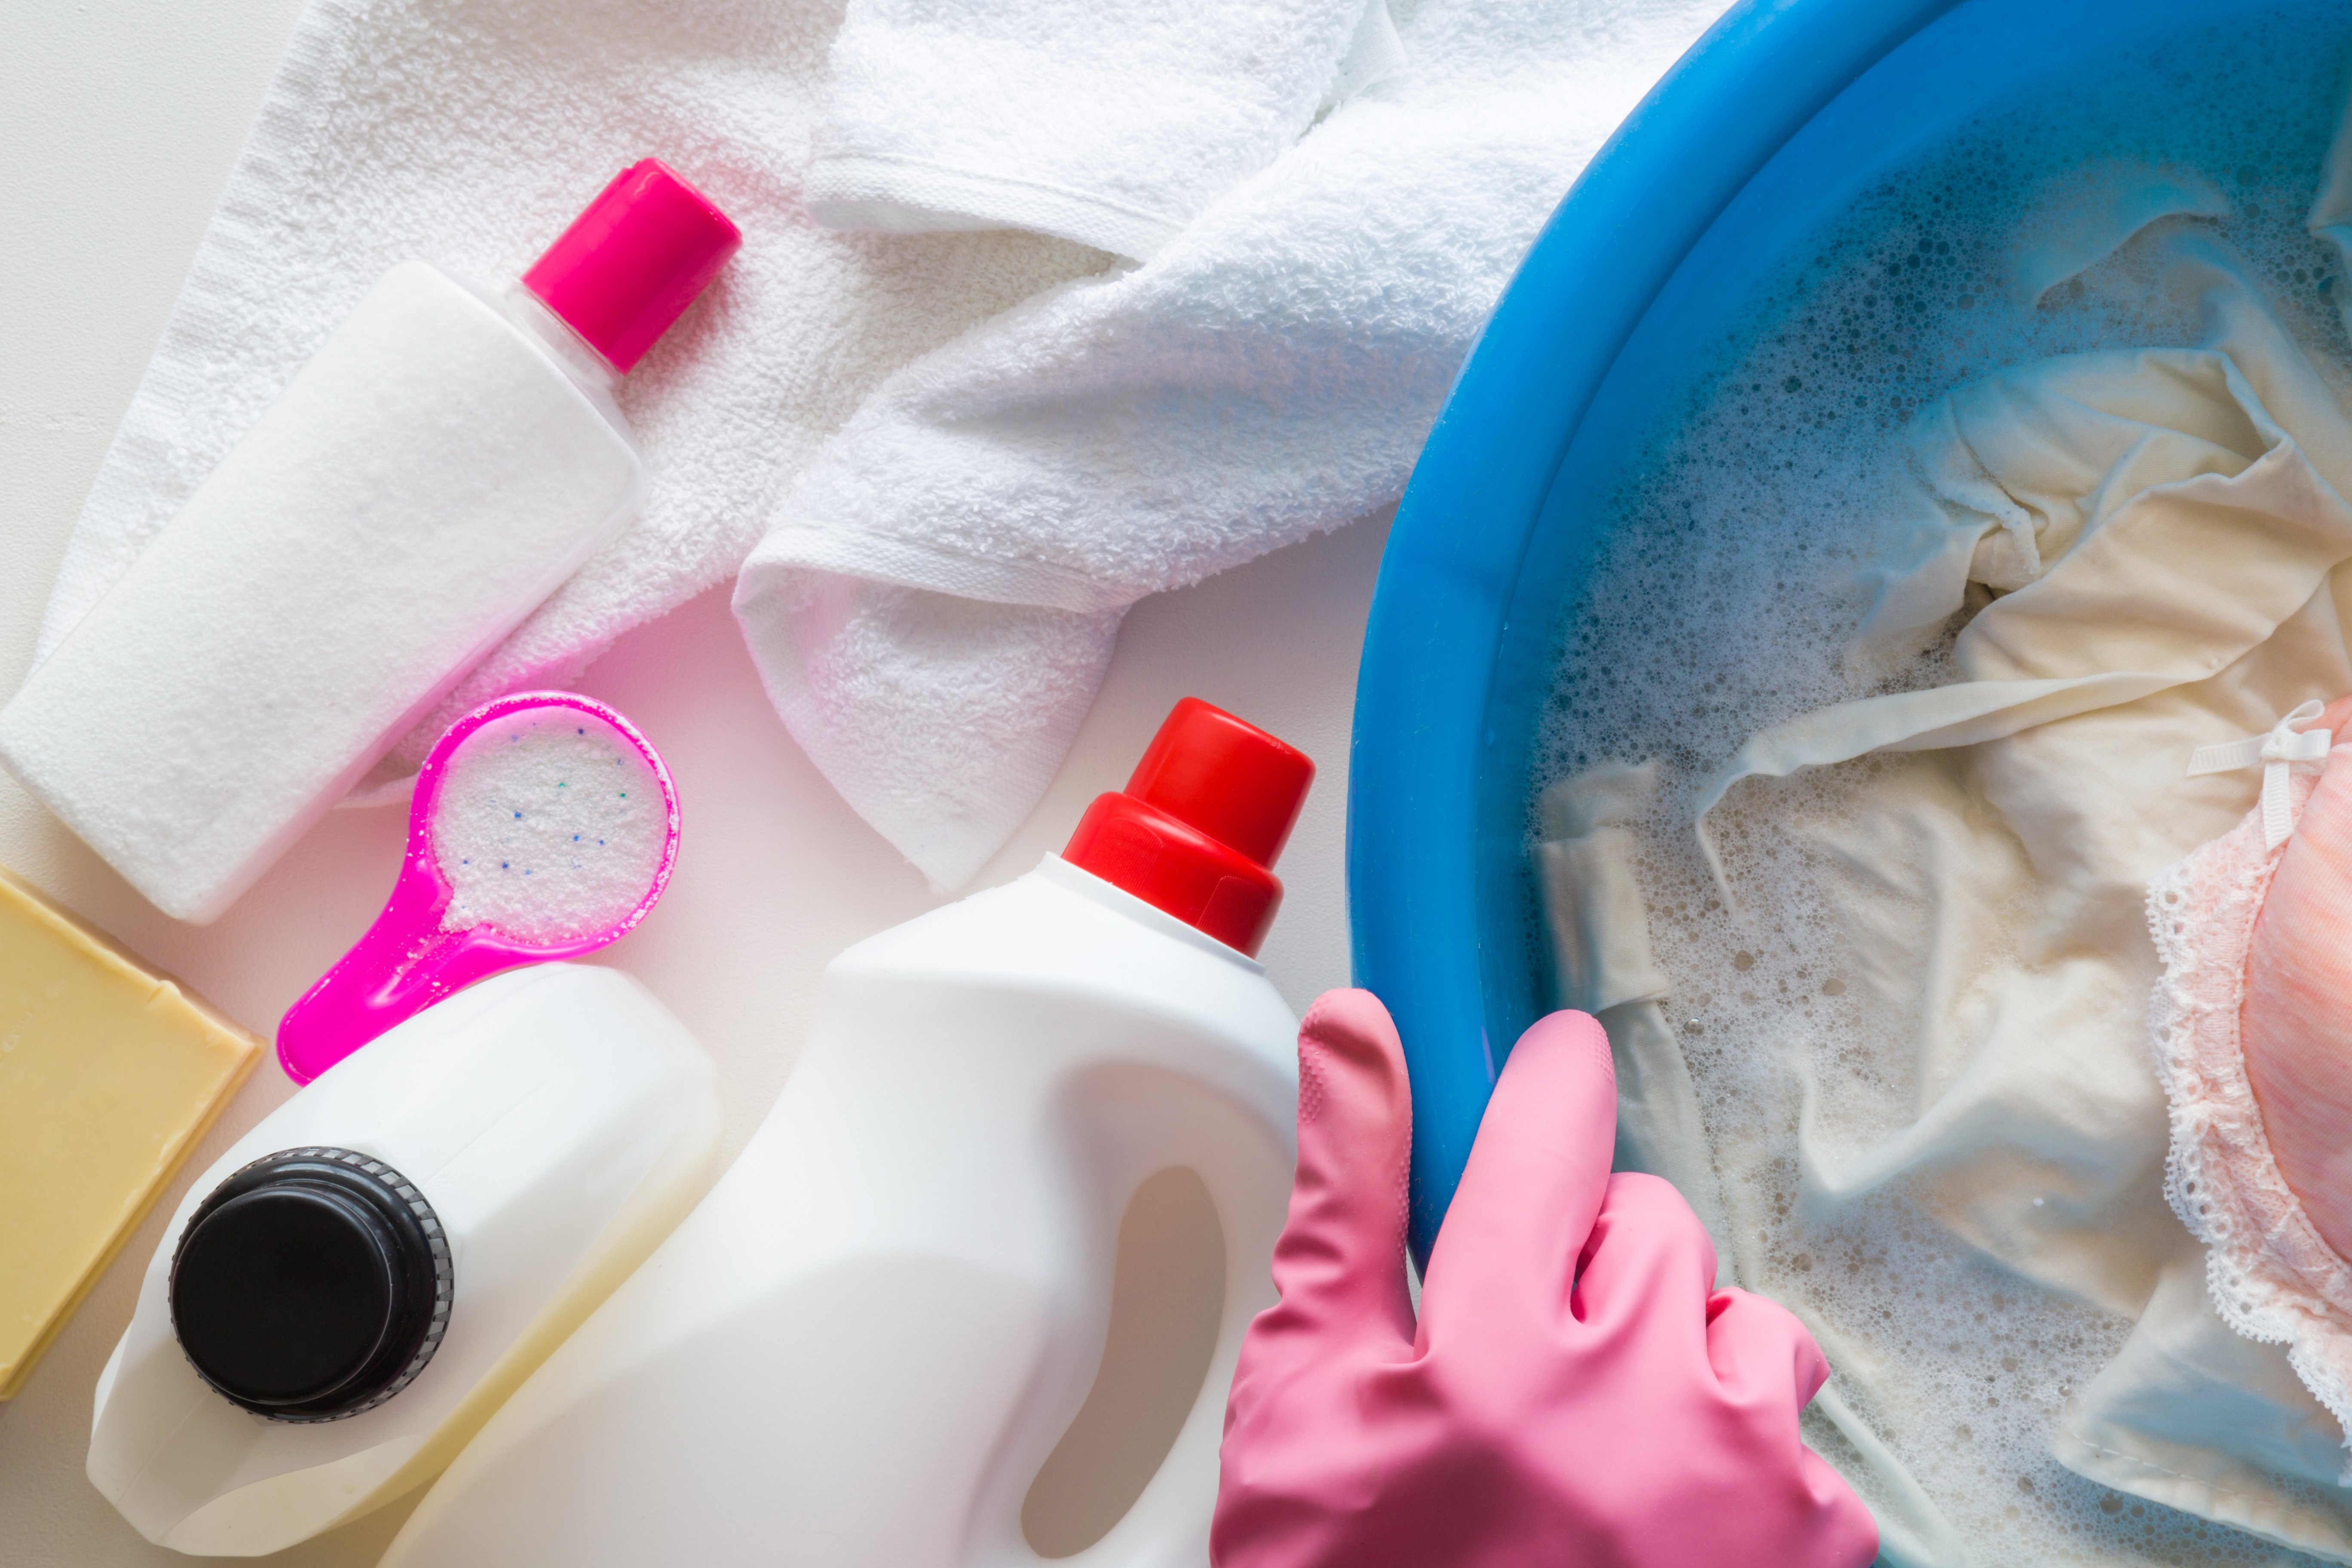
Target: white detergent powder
<point x="550" y="827"/>
<point x="1720" y="602"/>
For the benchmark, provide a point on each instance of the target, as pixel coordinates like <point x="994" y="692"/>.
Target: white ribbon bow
<point x="2287" y="743"/>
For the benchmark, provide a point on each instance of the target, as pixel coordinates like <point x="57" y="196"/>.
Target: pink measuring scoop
<point x="410" y="959"/>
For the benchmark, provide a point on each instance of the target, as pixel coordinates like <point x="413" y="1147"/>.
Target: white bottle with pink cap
<point x="436" y="470"/>
<point x="860" y="1350"/>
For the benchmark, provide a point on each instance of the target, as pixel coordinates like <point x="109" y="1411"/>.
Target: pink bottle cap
<point x="635" y="260"/>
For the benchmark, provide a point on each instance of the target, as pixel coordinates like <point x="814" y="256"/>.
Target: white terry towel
<point x="939" y="593"/>
<point x="1111" y="123"/>
<point x="469" y="133"/>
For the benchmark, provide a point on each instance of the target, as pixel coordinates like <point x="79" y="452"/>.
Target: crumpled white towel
<point x="469" y="133"/>
<point x="939" y="592"/>
<point x="1111" y="123"/>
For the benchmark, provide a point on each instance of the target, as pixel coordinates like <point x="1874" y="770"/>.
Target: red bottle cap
<point x="627" y="268"/>
<point x="1199" y="825"/>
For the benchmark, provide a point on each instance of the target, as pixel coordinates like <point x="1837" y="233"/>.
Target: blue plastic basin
<point x="1755" y="143"/>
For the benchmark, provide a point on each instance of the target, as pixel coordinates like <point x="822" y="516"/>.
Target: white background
<point x="119" y="123"/>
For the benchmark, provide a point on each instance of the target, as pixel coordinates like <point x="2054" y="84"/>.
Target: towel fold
<point x="1111" y="123"/>
<point x="1268" y="373"/>
<point x="469" y="132"/>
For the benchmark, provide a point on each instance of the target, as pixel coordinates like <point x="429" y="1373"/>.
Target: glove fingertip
<point x="1349" y="1031"/>
<point x="1344" y="1241"/>
<point x="1753" y="1342"/>
<point x="1850" y="1528"/>
<point x="1538" y="1170"/>
<point x="1812" y="1369"/>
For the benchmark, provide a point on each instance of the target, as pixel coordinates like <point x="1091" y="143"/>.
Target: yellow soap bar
<point x="108" y="1076"/>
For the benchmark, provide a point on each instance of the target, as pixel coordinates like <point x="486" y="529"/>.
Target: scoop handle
<point x="405" y="962"/>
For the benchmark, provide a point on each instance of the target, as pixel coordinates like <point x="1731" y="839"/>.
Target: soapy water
<point x="1720" y="600"/>
<point x="550" y="827"/>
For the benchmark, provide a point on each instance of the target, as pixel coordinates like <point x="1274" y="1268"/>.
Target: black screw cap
<point x="311" y="1285"/>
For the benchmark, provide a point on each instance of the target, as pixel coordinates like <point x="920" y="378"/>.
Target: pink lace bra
<point x="2272" y="1276"/>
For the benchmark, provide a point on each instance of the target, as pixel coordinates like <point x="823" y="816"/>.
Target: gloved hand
<point x="1576" y="1395"/>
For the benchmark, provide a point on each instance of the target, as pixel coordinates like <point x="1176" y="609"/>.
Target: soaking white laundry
<point x="939" y="592"/>
<point x="1110" y="124"/>
<point x="467" y="134"/>
<point x="2149" y="547"/>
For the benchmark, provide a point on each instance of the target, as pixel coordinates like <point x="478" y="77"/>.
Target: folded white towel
<point x="1268" y="373"/>
<point x="1112" y="123"/>
<point x="469" y="133"/>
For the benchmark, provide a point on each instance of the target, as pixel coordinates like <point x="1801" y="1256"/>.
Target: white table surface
<point x="119" y="123"/>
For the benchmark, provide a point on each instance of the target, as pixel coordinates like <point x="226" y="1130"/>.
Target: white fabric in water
<point x="2155" y="539"/>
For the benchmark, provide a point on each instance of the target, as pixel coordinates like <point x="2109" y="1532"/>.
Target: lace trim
<point x="2270" y="1275"/>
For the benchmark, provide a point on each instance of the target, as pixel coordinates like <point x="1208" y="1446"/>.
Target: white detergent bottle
<point x="341" y="1301"/>
<point x="861" y="1347"/>
<point x="436" y="470"/>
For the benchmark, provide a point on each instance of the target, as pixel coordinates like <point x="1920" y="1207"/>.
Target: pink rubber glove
<point x="1577" y="1393"/>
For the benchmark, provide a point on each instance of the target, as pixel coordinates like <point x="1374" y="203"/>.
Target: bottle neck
<point x="1077" y="879"/>
<point x="566" y="347"/>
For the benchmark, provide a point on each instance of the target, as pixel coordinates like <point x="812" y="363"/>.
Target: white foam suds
<point x="1719" y="603"/>
<point x="550" y="827"/>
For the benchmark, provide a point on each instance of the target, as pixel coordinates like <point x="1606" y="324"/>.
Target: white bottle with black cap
<point x="345" y="1297"/>
<point x="860" y="1350"/>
